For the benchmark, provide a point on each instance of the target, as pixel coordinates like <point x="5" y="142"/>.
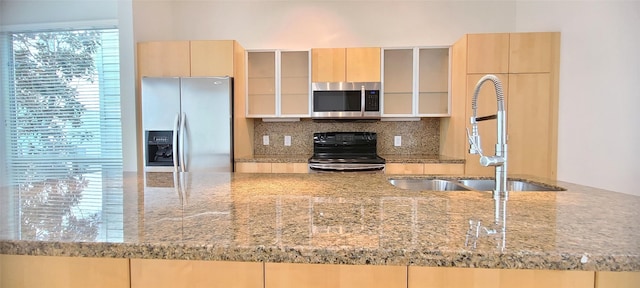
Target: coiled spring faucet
<point x="499" y="161"/>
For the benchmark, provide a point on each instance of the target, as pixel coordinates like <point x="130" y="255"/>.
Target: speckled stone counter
<point x="421" y="158"/>
<point x="317" y="218"/>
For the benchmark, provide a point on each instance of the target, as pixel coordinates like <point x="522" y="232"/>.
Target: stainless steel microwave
<point x="345" y="100"/>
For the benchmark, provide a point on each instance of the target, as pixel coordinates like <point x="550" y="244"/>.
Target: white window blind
<point x="63" y="105"/>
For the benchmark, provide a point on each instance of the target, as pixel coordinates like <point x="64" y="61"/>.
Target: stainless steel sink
<point x="421" y="184"/>
<point x="427" y="184"/>
<point x="512" y="185"/>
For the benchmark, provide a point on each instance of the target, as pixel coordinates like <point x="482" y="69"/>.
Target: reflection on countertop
<point x="316" y="218"/>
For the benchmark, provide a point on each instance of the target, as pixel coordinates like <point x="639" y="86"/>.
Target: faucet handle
<point x="474" y="141"/>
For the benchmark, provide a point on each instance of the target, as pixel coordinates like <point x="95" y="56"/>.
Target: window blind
<point x="63" y="105"/>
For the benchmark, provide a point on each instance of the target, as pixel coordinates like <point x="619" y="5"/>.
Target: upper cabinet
<point x="510" y="53"/>
<point x="416" y="82"/>
<point x="345" y="64"/>
<point x="488" y="53"/>
<point x="532" y="52"/>
<point x="186" y="58"/>
<point x="211" y="58"/>
<point x="164" y="59"/>
<point x="278" y="84"/>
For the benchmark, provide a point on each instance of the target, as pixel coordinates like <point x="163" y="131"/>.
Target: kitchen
<point x="499" y="18"/>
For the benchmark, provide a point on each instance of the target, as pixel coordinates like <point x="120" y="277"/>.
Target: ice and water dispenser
<point x="159" y="147"/>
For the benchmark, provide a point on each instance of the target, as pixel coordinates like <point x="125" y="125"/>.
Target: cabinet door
<point x="289" y="168"/>
<point x="261" y="83"/>
<point x="532" y="52"/>
<point x="617" y="279"/>
<point x="67" y="272"/>
<point x="294" y="83"/>
<point x="252" y="167"/>
<point x="488" y="53"/>
<point x="363" y="64"/>
<point x="433" y="81"/>
<point x="531" y="129"/>
<point x="400" y="168"/>
<point x="164" y="59"/>
<point x="284" y="275"/>
<point x="443" y="168"/>
<point x="437" y="277"/>
<point x="398" y="82"/>
<point x="328" y="65"/>
<point x="212" y="58"/>
<point x="487" y="105"/>
<point x="182" y="273"/>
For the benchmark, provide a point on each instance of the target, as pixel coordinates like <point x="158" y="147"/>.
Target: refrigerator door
<point x="160" y="102"/>
<point x="160" y="116"/>
<point x="207" y="111"/>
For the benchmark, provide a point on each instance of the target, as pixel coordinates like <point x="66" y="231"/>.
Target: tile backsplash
<point x="417" y="137"/>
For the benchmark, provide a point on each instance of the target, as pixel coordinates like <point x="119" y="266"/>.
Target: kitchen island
<point x="317" y="219"/>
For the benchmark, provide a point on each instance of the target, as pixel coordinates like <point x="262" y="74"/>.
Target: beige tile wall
<point x="418" y="137"/>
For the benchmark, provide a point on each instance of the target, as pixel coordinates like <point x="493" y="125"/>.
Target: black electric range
<point x="345" y="152"/>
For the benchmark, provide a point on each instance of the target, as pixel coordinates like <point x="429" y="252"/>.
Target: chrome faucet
<point x="499" y="161"/>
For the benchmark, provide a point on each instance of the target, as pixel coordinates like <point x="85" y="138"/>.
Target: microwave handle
<point x="362" y="95"/>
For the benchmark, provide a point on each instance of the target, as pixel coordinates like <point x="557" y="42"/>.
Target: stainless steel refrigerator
<point x="187" y="124"/>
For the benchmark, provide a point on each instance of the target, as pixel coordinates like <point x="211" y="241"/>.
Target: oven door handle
<point x="350" y="167"/>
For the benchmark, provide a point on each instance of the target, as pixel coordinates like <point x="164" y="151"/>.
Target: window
<point x="63" y="104"/>
<point x="63" y="142"/>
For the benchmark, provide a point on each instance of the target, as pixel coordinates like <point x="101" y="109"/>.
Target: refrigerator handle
<point x="175" y="142"/>
<point x="183" y="161"/>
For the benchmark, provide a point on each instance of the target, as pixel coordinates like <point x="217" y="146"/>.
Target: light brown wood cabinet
<point x="285" y="275"/>
<point x="157" y="273"/>
<point x="261" y="167"/>
<point x="345" y="64"/>
<point x="164" y="59"/>
<point x="186" y="58"/>
<point x="487" y="53"/>
<point x="437" y="277"/>
<point x="212" y="58"/>
<point x="55" y="271"/>
<point x="608" y="279"/>
<point x="64" y="272"/>
<point x="527" y="65"/>
<point x="278" y="84"/>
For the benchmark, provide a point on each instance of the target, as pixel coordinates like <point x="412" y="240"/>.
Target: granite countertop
<point x="316" y="218"/>
<point x="401" y="158"/>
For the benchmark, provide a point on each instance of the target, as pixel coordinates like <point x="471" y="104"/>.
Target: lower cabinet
<point x="436" y="277"/>
<point x="285" y="275"/>
<point x="18" y="271"/>
<point x="617" y="279"/>
<point x="155" y="273"/>
<point x="259" y="167"/>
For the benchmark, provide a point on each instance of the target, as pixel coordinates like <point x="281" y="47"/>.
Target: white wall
<point x="306" y="24"/>
<point x="599" y="135"/>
